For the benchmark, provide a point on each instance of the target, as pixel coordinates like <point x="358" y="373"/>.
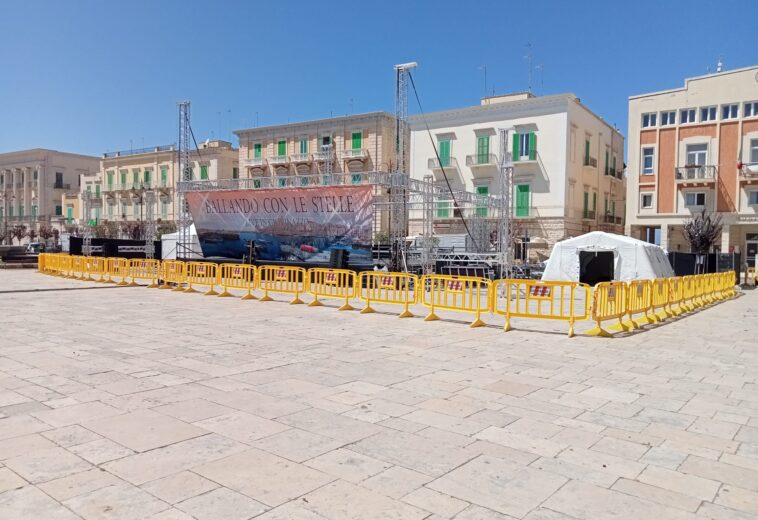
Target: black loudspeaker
<point x="339" y="258"/>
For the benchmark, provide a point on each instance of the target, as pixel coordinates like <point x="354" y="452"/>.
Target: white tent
<point x="168" y="245"/>
<point x="632" y="258"/>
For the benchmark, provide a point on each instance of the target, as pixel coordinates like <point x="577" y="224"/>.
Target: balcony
<point x="279" y="160"/>
<point x="695" y="174"/>
<point x="612" y="219"/>
<point x="257" y="162"/>
<point x="357" y="154"/>
<point x="323" y="155"/>
<point x="590" y="162"/>
<point x="449" y="164"/>
<point x="61" y="186"/>
<point x="588" y="214"/>
<point x="481" y="160"/>
<point x="615" y="174"/>
<point x="301" y="158"/>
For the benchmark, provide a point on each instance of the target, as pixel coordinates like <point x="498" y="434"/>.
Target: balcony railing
<point x="61" y="186"/>
<point x="481" y="159"/>
<point x="590" y="161"/>
<point x="301" y="158"/>
<point x="696" y="173"/>
<point x="355" y="154"/>
<point x="612" y="219"/>
<point x="322" y="156"/>
<point x="137" y="151"/>
<point x="588" y="214"/>
<point x="446" y="162"/>
<point x="749" y="170"/>
<point x="256" y="162"/>
<point x="278" y="159"/>
<point x="618" y="174"/>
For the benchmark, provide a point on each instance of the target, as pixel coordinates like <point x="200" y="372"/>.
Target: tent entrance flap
<point x="595" y="267"/>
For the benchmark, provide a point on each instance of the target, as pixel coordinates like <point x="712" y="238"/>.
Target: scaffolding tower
<point x="87" y="209"/>
<point x="505" y="208"/>
<point x="184" y="241"/>
<point x="150" y="230"/>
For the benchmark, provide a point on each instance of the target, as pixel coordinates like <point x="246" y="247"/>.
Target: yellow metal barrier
<point x="728" y="284"/>
<point x="455" y="293"/>
<point x="332" y="283"/>
<point x="202" y="273"/>
<point x="392" y="288"/>
<point x="534" y="299"/>
<point x="676" y="295"/>
<point x="608" y="302"/>
<point x="98" y="266"/>
<point x="79" y="267"/>
<point x="660" y="299"/>
<point x="173" y="272"/>
<point x="144" y="269"/>
<point x="688" y="293"/>
<point x="118" y="268"/>
<point x="699" y="299"/>
<point x="237" y="276"/>
<point x="282" y="279"/>
<point x="638" y="301"/>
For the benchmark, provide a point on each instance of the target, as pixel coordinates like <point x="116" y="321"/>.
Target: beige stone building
<point x="695" y="148"/>
<point x="32" y="183"/>
<point x="118" y="191"/>
<point x="359" y="143"/>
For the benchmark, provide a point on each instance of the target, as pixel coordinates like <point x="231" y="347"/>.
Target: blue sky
<point x="97" y="76"/>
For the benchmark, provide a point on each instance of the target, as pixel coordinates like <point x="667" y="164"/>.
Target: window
<point x="303" y="145"/>
<point x="523" y="200"/>
<point x="123" y="176"/>
<point x="58" y="180"/>
<point x="257" y="150"/>
<point x="443" y="209"/>
<point x="354" y="178"/>
<point x="326" y="140"/>
<point x="203" y="172"/>
<point x="282" y="182"/>
<point x="256" y="183"/>
<point x="443" y="147"/>
<point x="34" y="175"/>
<point x="481" y="205"/>
<point x="110" y="180"/>
<point x="58" y="211"/>
<point x="607" y="155"/>
<point x="123" y="209"/>
<point x="694" y="199"/>
<point x="752" y="198"/>
<point x="586" y="205"/>
<point x="110" y="209"/>
<point x="708" y="114"/>
<point x="754" y="151"/>
<point x="729" y="111"/>
<point x="594" y="201"/>
<point x="648" y="160"/>
<point x="751" y="109"/>
<point x="164" y="209"/>
<point x="97" y="191"/>
<point x="649" y="120"/>
<point x="97" y="215"/>
<point x="524" y="146"/>
<point x="357" y="140"/>
<point x="586" y="152"/>
<point x="135" y="209"/>
<point x="34" y="211"/>
<point x="613" y="167"/>
<point x="281" y="148"/>
<point x="164" y="176"/>
<point x="69" y="214"/>
<point x="135" y="177"/>
<point x="20" y="210"/>
<point x="482" y="149"/>
<point x="687" y="115"/>
<point x="697" y="154"/>
<point x="668" y="118"/>
<point x="10" y="211"/>
<point x="235" y="172"/>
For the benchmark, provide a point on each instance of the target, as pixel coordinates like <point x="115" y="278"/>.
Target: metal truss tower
<point x="87" y="209"/>
<point x="400" y="180"/>
<point x="150" y="230"/>
<point x="505" y="208"/>
<point x="184" y="243"/>
<point x="428" y="251"/>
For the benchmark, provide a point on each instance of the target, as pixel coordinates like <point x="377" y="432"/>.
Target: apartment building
<point x="567" y="164"/>
<point x="118" y="192"/>
<point x="353" y="144"/>
<point x="696" y="148"/>
<point x="32" y="183"/>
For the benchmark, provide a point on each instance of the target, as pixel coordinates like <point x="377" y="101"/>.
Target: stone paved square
<point x="142" y="403"/>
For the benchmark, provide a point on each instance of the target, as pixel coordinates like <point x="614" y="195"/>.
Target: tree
<point x="31" y="234"/>
<point x="702" y="231"/>
<point x="18" y="232"/>
<point x="45" y="232"/>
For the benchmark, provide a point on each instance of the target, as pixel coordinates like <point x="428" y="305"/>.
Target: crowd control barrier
<point x="392" y="288"/>
<point x="117" y="268"/>
<point x="79" y="267"/>
<point x="98" y="266"/>
<point x="237" y="276"/>
<point x="638" y="301"/>
<point x="201" y="273"/>
<point x="455" y="293"/>
<point x="708" y="289"/>
<point x="173" y="274"/>
<point x="688" y="293"/>
<point x="608" y="303"/>
<point x="535" y="299"/>
<point x="282" y="279"/>
<point x="332" y="283"/>
<point x="144" y="269"/>
<point x="660" y="299"/>
<point x="676" y="295"/>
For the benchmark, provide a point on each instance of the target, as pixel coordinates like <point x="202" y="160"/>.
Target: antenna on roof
<point x="528" y="58"/>
<point x="720" y="64"/>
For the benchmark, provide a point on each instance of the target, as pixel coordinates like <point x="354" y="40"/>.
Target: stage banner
<point x="291" y="224"/>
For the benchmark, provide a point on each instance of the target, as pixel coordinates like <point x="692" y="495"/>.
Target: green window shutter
<point x="606" y="162"/>
<point x="303" y="181"/>
<point x="282" y="182"/>
<point x="532" y="146"/>
<point x="34" y="210"/>
<point x="147" y="177"/>
<point x="20" y="210"/>
<point x="256" y="183"/>
<point x="356" y="178"/>
<point x="613" y="165"/>
<point x="281" y="148"/>
<point x="303" y="145"/>
<point x="164" y="175"/>
<point x="613" y="208"/>
<point x="10" y="211"/>
<point x="69" y="214"/>
<point x="586" y="203"/>
<point x="123" y="177"/>
<point x="482" y="149"/>
<point x="481" y="206"/>
<point x="443" y="209"/>
<point x="97" y="191"/>
<point x="586" y="153"/>
<point x="516" y="151"/>
<point x="522" y="200"/>
<point x="110" y="180"/>
<point x="357" y="140"/>
<point x="257" y="150"/>
<point x="594" y="202"/>
<point x="444" y="150"/>
<point x="203" y="172"/>
<point x="235" y="173"/>
<point x="58" y="210"/>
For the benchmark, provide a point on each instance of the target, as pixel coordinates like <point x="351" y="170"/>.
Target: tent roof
<point x="603" y="237"/>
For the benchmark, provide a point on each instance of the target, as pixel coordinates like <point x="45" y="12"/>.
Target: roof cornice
<point x="357" y="118"/>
